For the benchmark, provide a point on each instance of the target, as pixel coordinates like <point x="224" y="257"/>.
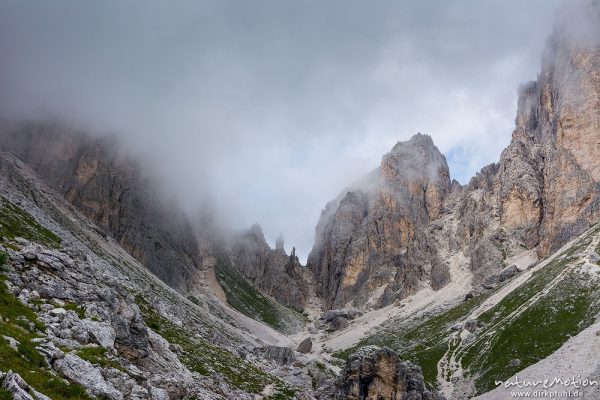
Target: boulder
<point x="471" y="325"/>
<point x="305" y="346"/>
<point x="508" y="273"/>
<point x="339" y="323"/>
<point x="18" y="388"/>
<point x="348" y="313"/>
<point x="378" y="373"/>
<point x="514" y="362"/>
<point x="100" y="332"/>
<point x="281" y="355"/>
<point x="77" y="370"/>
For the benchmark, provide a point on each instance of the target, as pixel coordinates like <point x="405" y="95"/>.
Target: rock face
<point x="114" y="322"/>
<point x="280" y="355"/>
<point x="373" y="235"/>
<point x="374" y="373"/>
<point x="271" y="270"/>
<point x="544" y="190"/>
<point x="549" y="175"/>
<point x="110" y="189"/>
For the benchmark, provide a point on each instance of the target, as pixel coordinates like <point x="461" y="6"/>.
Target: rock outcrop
<point x="378" y="373"/>
<point x="18" y="389"/>
<point x="550" y="174"/>
<point x="373" y="235"/>
<point x="110" y="189"/>
<point x="280" y="355"/>
<point x="271" y="270"/>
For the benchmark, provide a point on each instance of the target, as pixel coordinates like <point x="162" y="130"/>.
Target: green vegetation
<point x="74" y="307"/>
<point x="245" y="298"/>
<point x="17" y="322"/>
<point x="202" y="357"/>
<point x="14" y="222"/>
<point x="531" y="323"/>
<point x="194" y="300"/>
<point x="3" y="261"/>
<point x="423" y="342"/>
<point x="97" y="356"/>
<point x="558" y="301"/>
<point x="5" y="395"/>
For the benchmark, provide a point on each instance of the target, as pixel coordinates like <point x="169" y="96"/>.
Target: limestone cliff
<point x="373" y="235"/>
<point x="378" y="373"/>
<point x="544" y="190"/>
<point x="271" y="270"/>
<point x="111" y="190"/>
<point x="551" y="170"/>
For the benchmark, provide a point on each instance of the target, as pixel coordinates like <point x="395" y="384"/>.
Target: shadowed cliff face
<point x="374" y="234"/>
<point x="110" y="189"/>
<point x="271" y="270"/>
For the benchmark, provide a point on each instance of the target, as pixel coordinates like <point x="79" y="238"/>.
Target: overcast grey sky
<point x="274" y="106"/>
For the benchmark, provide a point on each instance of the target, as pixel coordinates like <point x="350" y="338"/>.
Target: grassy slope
<point x="18" y="320"/>
<point x="520" y="326"/>
<point x="530" y="324"/>
<point x="14" y="222"/>
<point x="248" y="300"/>
<point x="422" y="342"/>
<point x="202" y="357"/>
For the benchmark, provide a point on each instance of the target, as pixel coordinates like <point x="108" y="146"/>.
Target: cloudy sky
<point x="272" y="107"/>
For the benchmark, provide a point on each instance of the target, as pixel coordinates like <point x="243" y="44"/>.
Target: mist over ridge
<point x="269" y="110"/>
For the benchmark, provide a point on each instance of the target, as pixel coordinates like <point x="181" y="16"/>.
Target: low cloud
<point x="272" y="107"/>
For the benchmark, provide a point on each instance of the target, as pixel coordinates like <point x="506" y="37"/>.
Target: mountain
<point x="416" y="286"/>
<point x="377" y="241"/>
<point x="76" y="305"/>
<point x="110" y="188"/>
<point x="550" y="173"/>
<point x="108" y="185"/>
<point x="374" y="234"/>
<point x="521" y="240"/>
<point x="271" y="270"/>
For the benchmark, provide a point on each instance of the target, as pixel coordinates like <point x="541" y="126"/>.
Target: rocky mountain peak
<point x="257" y="233"/>
<point x="366" y="232"/>
<point x="419" y="141"/>
<point x="376" y="238"/>
<point x="418" y="156"/>
<point x="270" y="270"/>
<point x="549" y="174"/>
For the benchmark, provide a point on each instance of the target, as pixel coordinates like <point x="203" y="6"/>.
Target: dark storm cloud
<point x="274" y="106"/>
